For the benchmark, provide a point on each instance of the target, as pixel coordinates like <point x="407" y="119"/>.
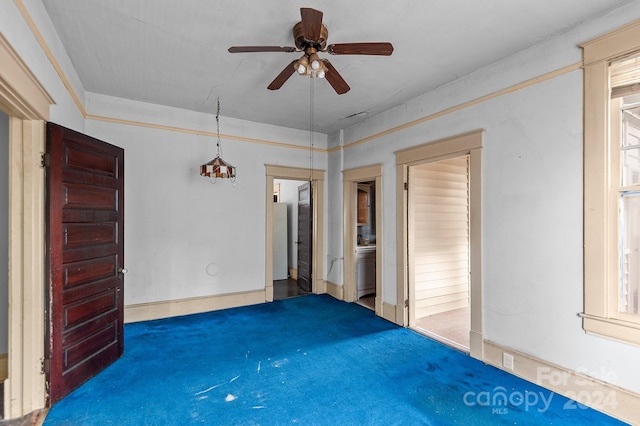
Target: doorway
<point x="467" y="145"/>
<point x="285" y="239"/>
<point x="366" y="244"/>
<point x="315" y="178"/>
<point x="362" y="237"/>
<point x="27" y="103"/>
<point x="439" y="250"/>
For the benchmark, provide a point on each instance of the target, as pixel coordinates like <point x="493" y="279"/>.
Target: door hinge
<point x="45" y="365"/>
<point x="406" y="186"/>
<point x="406" y="303"/>
<point x="45" y="160"/>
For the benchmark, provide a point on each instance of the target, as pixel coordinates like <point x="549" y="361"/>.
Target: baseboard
<point x="389" y="312"/>
<point x="4" y="367"/>
<point x="476" y="345"/>
<point x="294" y="274"/>
<point x="194" y="305"/>
<point x="319" y="287"/>
<point x="334" y="290"/>
<point x="597" y="394"/>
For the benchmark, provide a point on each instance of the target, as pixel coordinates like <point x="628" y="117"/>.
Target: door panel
<point x="85" y="255"/>
<point x="305" y="234"/>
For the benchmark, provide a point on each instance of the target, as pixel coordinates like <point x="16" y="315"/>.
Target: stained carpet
<point x="309" y="360"/>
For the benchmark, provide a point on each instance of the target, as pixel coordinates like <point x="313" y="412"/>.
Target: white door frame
<point x="318" y="284"/>
<point x="27" y="103"/>
<point x="467" y="143"/>
<point x="350" y="181"/>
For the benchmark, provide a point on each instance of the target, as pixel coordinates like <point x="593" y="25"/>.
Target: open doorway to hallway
<point x="285" y="239"/>
<point x="314" y="179"/>
<point x="4" y="253"/>
<point x="439" y="250"/>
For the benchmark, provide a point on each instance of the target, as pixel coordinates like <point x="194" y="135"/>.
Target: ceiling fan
<point x="310" y="36"/>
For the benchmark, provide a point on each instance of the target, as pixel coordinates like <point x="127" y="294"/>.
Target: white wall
<point x="335" y="242"/>
<point x="532" y="198"/>
<point x="186" y="237"/>
<point x="4" y="231"/>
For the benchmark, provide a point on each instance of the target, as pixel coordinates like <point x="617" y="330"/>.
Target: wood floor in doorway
<point x="368" y="301"/>
<point x="453" y="326"/>
<point x="283" y="289"/>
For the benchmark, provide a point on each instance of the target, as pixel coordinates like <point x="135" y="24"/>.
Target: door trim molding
<point x="350" y="182"/>
<point x="25" y="386"/>
<point x="318" y="285"/>
<point x="469" y="143"/>
<point x="21" y="94"/>
<point x="4" y="366"/>
<point x="334" y="290"/>
<point x="27" y="103"/>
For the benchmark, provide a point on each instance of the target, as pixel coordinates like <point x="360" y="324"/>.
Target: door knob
<point x="123" y="270"/>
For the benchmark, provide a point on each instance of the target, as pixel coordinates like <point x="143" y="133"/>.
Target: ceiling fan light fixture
<point x="310" y="36"/>
<point x="302" y="64"/>
<point x="321" y="71"/>
<point x="315" y="61"/>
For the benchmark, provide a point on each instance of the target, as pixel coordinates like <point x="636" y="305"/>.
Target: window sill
<point x="623" y="331"/>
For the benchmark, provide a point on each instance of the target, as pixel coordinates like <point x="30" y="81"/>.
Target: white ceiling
<point x="174" y="52"/>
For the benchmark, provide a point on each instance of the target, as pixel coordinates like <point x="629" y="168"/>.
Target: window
<point x="612" y="184"/>
<point x="625" y="146"/>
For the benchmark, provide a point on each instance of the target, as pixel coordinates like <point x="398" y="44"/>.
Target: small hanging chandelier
<point x="218" y="168"/>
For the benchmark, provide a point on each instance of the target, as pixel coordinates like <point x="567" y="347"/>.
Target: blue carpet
<point x="307" y="360"/>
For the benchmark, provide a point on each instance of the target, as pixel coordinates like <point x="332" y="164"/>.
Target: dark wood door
<point x="305" y="233"/>
<point x="85" y="255"/>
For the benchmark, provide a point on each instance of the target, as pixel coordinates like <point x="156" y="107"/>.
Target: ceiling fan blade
<point x="282" y="77"/>
<point x="335" y="79"/>
<point x="311" y="23"/>
<point x="244" y="49"/>
<point x="383" y="49"/>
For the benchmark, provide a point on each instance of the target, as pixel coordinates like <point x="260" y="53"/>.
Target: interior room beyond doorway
<point x="285" y="239"/>
<point x="465" y="145"/>
<point x="366" y="243"/>
<point x="362" y="239"/>
<point x="439" y="227"/>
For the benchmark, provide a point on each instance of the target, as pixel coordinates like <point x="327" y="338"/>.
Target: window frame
<point x="601" y="227"/>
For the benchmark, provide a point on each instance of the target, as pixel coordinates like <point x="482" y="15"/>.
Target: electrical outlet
<point x="507" y="361"/>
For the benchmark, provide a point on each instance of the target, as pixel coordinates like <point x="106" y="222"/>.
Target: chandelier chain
<point x="218" y="129"/>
